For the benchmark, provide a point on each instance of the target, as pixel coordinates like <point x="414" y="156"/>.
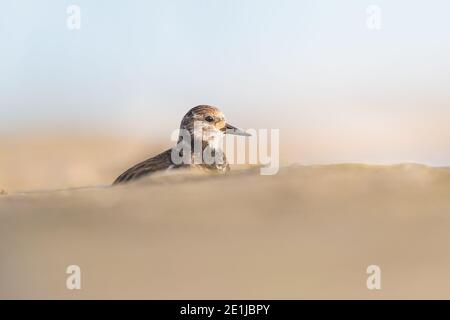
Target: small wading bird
<point x="212" y="125"/>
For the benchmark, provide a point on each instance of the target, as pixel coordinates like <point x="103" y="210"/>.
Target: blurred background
<point x="77" y="107"/>
<point x="361" y="81"/>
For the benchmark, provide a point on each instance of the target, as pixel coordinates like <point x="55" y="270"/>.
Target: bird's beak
<point x="229" y="129"/>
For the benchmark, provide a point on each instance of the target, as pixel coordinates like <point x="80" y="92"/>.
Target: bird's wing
<point x="157" y="163"/>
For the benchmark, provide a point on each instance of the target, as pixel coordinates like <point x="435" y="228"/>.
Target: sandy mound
<point x="308" y="232"/>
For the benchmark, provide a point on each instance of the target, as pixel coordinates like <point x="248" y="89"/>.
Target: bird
<point x="202" y="126"/>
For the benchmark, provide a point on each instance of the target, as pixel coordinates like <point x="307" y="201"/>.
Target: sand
<point x="308" y="232"/>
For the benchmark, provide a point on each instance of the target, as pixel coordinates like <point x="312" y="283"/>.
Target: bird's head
<point x="208" y="123"/>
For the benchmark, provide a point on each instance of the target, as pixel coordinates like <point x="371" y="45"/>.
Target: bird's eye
<point x="209" y="119"/>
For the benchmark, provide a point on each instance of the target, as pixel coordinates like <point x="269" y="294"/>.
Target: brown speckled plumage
<point x="163" y="161"/>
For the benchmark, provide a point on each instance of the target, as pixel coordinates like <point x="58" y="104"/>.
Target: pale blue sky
<point x="337" y="90"/>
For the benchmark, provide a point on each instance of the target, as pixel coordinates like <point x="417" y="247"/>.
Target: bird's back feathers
<point x="162" y="161"/>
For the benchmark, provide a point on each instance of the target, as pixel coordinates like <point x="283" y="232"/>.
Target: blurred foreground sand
<point x="308" y="232"/>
